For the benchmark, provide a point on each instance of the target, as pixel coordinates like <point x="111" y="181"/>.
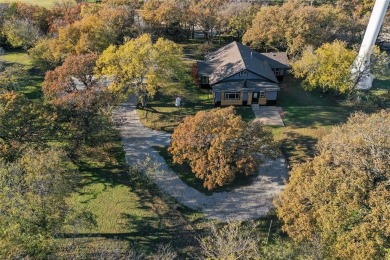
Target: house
<point x="238" y="75"/>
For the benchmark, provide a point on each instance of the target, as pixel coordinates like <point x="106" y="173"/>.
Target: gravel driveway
<point x="243" y="203"/>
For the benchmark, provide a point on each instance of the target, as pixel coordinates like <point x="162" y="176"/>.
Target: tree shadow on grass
<point x="298" y="148"/>
<point x="166" y="225"/>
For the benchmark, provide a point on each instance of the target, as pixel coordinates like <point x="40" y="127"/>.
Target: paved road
<point x="247" y="202"/>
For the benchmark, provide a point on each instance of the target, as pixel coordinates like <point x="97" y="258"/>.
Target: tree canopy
<point x="219" y="145"/>
<point x="141" y="66"/>
<point x="295" y="24"/>
<point x="32" y="202"/>
<point x="23" y="123"/>
<point x="341" y="198"/>
<point x="326" y="68"/>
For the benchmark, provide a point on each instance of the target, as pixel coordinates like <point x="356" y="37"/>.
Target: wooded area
<point x="66" y="190"/>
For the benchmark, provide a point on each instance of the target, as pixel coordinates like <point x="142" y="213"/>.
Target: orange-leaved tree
<point x="219" y="145"/>
<point x="341" y="198"/>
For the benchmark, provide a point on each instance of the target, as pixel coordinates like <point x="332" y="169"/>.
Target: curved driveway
<point x="243" y="203"/>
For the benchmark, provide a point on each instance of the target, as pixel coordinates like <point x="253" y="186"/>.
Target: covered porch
<point x="245" y="93"/>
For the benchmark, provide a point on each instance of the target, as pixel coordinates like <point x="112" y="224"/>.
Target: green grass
<point x="382" y="82"/>
<point x="126" y="206"/>
<point x="161" y="112"/>
<point x="44" y="3"/>
<point x="31" y="86"/>
<point x="308" y="116"/>
<point x="16" y="57"/>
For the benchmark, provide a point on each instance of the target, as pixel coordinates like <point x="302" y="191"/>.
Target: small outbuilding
<point x="238" y="75"/>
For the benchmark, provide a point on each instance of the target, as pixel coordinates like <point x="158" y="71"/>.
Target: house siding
<point x="250" y="76"/>
<point x="271" y="95"/>
<point x="244" y="96"/>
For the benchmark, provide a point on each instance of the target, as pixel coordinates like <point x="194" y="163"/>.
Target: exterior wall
<point x="271" y="95"/>
<point x="234" y="102"/>
<point x="262" y="101"/>
<point x="220" y="97"/>
<point x="248" y="77"/>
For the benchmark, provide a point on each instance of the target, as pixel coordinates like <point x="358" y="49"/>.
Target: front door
<point x="255" y="97"/>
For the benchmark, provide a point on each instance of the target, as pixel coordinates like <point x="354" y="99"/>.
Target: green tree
<point x="341" y="198"/>
<point x="23" y="123"/>
<point x="141" y="66"/>
<point x="32" y="203"/>
<point x="21" y="33"/>
<point x="219" y="145"/>
<point x="11" y="77"/>
<point x="327" y="68"/>
<point x="240" y="18"/>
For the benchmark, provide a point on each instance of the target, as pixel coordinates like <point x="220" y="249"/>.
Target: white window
<point x="205" y="80"/>
<point x="243" y="73"/>
<point x="232" y="96"/>
<point x="262" y="94"/>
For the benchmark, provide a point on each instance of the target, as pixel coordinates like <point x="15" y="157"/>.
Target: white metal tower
<point x="361" y="66"/>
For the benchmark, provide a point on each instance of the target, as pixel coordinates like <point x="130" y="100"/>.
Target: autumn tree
<point x="24" y="24"/>
<point x="141" y="66"/>
<point x="234" y="240"/>
<point x="148" y="13"/>
<point x="78" y="95"/>
<point x="206" y="14"/>
<point x="239" y="17"/>
<point x="21" y="33"/>
<point x="73" y="81"/>
<point x="294" y="25"/>
<point x="327" y="68"/>
<point x="219" y="145"/>
<point x="98" y="27"/>
<point x="341" y="198"/>
<point x="32" y="203"/>
<point x="64" y="13"/>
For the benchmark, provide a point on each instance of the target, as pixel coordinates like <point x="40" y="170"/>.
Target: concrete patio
<point x="269" y="115"/>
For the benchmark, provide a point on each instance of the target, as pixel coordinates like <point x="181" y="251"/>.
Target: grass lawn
<point x="308" y="116"/>
<point x="128" y="209"/>
<point x="31" y="87"/>
<point x="44" y="3"/>
<point x="161" y="112"/>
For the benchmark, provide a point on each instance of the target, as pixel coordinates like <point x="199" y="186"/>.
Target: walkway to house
<point x="243" y="203"/>
<point x="268" y="115"/>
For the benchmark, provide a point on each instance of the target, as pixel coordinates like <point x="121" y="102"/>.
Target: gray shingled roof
<point x="274" y="59"/>
<point x="235" y="57"/>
